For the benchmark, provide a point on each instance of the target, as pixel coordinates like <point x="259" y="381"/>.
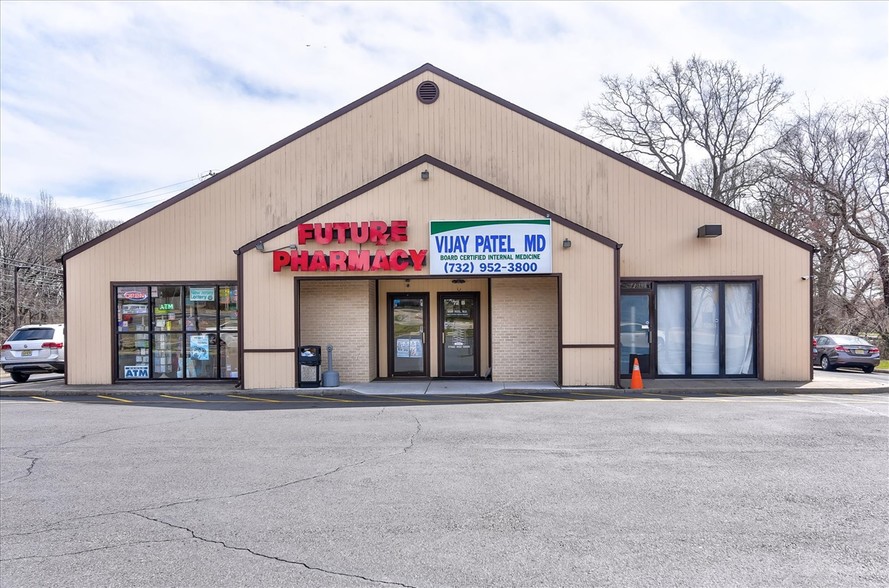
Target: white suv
<point x="34" y="349"/>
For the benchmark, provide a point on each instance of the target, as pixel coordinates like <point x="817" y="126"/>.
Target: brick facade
<point x="525" y="329"/>
<point x="341" y="314"/>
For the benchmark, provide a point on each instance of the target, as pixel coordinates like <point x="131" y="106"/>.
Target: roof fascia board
<point x="430" y="160"/>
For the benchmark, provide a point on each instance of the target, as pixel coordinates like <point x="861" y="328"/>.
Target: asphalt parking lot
<point x="562" y="490"/>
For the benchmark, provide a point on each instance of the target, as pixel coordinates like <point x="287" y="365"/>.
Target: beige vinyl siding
<point x="588" y="367"/>
<point x="193" y="239"/>
<point x="270" y="370"/>
<point x="587" y="271"/>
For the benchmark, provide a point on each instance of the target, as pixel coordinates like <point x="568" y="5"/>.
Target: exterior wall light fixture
<point x="566" y="244"/>
<point x="709" y="231"/>
<point x="260" y="247"/>
<point x="424" y="175"/>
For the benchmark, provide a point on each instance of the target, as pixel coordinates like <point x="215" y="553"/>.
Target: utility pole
<point x="15" y="295"/>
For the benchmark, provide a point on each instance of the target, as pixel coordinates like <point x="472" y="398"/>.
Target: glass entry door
<point x="459" y="335"/>
<point x="635" y="332"/>
<point x="408" y="326"/>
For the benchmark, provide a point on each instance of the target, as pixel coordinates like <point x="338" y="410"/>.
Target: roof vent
<point x="427" y="92"/>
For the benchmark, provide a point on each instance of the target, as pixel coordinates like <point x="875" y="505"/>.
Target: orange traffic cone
<point x="636" y="380"/>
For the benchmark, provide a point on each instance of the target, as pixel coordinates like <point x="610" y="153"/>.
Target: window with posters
<point x="174" y="331"/>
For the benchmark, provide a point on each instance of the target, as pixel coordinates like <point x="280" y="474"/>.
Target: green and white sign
<point x="201" y="294"/>
<point x="491" y="247"/>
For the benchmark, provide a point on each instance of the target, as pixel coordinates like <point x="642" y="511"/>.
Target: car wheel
<point x="868" y="369"/>
<point x="825" y="364"/>
<point x="19" y="377"/>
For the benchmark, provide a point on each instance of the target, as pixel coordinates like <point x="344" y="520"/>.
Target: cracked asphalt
<point x="749" y="491"/>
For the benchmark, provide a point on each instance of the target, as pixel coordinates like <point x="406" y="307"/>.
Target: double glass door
<point x="457" y="337"/>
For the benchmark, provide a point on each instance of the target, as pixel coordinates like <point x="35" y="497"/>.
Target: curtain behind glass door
<point x="705" y="329"/>
<point x="671" y="329"/>
<point x="739" y="319"/>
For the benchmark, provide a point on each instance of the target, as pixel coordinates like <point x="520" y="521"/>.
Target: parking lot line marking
<point x="45" y="399"/>
<point x="324" y="398"/>
<point x="182" y="398"/>
<point x="384" y="397"/>
<point x="601" y="395"/>
<point x="841" y="399"/>
<point x="251" y="398"/>
<point x="467" y="398"/>
<point x="551" y="398"/>
<point x="113" y="398"/>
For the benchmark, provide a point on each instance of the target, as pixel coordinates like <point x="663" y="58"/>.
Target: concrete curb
<point x="341" y="391"/>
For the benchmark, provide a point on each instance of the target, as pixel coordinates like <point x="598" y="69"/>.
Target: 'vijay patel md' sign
<point x="491" y="247"/>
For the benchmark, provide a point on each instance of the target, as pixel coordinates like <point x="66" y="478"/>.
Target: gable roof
<point x="466" y="85"/>
<point x="428" y="159"/>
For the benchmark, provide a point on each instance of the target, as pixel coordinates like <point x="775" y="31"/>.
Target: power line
<point x="104" y="202"/>
<point x="32" y="266"/>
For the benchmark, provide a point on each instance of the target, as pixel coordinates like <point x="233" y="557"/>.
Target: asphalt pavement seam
<point x="89" y="550"/>
<point x="51" y="526"/>
<point x="410" y="444"/>
<point x="34" y="460"/>
<point x="29" y="470"/>
<point x="272" y="557"/>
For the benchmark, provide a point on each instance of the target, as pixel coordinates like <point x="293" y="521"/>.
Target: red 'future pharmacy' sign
<point x="351" y="260"/>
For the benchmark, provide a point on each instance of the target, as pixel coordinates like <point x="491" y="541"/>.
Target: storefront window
<point x="706" y="329"/>
<point x="167" y="302"/>
<point x="228" y="308"/>
<point x="167" y="355"/>
<point x="202" y="355"/>
<point x="201" y="309"/>
<point x="671" y="329"/>
<point x="739" y="329"/>
<point x="177" y="332"/>
<point x="132" y="308"/>
<point x="228" y="355"/>
<point x="132" y="356"/>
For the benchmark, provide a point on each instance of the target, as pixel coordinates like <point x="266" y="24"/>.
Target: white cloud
<point x="101" y="100"/>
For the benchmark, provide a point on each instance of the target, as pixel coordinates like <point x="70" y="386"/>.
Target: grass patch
<point x="884" y="364"/>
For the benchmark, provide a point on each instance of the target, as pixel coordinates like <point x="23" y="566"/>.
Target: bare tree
<point x="830" y="174"/>
<point x="33" y="235"/>
<point x="703" y="123"/>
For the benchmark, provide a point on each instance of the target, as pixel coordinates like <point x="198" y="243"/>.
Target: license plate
<point x="860" y="352"/>
<point x="26" y="353"/>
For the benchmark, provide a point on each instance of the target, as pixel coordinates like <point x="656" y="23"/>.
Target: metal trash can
<point x="309" y="366"/>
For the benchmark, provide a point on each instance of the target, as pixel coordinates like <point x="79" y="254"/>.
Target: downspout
<point x="617" y="316"/>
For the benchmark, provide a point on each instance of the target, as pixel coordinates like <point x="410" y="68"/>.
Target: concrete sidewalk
<point x="823" y="383"/>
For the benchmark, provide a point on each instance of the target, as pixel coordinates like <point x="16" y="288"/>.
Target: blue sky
<point x="101" y="101"/>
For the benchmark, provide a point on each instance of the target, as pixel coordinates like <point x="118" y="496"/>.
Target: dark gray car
<point x="833" y="351"/>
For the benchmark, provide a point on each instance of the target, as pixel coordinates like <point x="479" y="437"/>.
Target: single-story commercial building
<point x="431" y="229"/>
